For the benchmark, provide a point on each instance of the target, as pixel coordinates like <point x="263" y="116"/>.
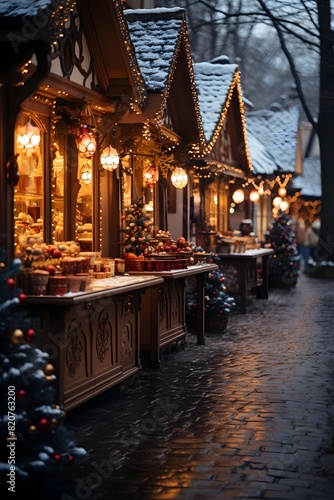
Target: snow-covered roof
<point x="22" y="8"/>
<point x="263" y="162"/>
<point x="213" y="82"/>
<point x="154" y="34"/>
<point x="277" y="129"/>
<point x="309" y="183"/>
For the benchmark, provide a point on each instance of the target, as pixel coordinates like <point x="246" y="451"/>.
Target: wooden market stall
<point x="81" y="138"/>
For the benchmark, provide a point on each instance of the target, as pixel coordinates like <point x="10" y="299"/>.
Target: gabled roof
<point x="161" y="43"/>
<point x="263" y="162"/>
<point x="277" y="129"/>
<point x="110" y="46"/>
<point x="155" y="34"/>
<point x="309" y="183"/>
<point x="214" y="82"/>
<point x="20" y="8"/>
<point x="220" y="98"/>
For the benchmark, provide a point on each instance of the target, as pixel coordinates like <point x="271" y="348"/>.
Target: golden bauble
<point x="49" y="369"/>
<point x="32" y="429"/>
<point x="17" y="337"/>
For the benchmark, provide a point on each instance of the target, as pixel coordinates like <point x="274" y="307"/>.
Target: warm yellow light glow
<point x="254" y="196"/>
<point x="109" y="158"/>
<point x="238" y="196"/>
<point x="284" y="205"/>
<point x="179" y="178"/>
<point x="86" y="142"/>
<point x="277" y="201"/>
<point x="282" y="192"/>
<point x="28" y="138"/>
<point x="150" y="175"/>
<point x="86" y="173"/>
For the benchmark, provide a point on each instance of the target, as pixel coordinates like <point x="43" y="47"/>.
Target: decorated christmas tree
<point x="217" y="302"/>
<point x="284" y="262"/>
<point x="35" y="445"/>
<point x="137" y="231"/>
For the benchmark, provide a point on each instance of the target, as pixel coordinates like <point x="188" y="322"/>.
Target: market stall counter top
<point x="163" y="309"/>
<point x="251" y="268"/>
<point x="92" y="337"/>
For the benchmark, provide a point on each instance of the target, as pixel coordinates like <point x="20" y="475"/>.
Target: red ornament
<point x="70" y="459"/>
<point x="22" y="297"/>
<point x="43" y="424"/>
<point x="10" y="282"/>
<point x="21" y="394"/>
<point x="30" y="335"/>
<point x="57" y="457"/>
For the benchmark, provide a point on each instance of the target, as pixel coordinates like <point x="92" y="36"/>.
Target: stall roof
<point x="220" y="97"/>
<point x="263" y="162"/>
<point x="309" y="183"/>
<point x="160" y="39"/>
<point x="22" y="8"/>
<point x="277" y="129"/>
<point x="214" y="82"/>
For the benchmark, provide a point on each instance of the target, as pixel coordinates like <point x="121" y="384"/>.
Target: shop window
<point x="29" y="192"/>
<point x="58" y="206"/>
<point x="84" y="207"/>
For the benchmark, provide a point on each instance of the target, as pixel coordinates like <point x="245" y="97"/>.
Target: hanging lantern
<point x="28" y="138"/>
<point x="238" y="196"/>
<point x="86" y="142"/>
<point x="284" y="205"/>
<point x="282" y="192"/>
<point x="151" y="175"/>
<point x="277" y="201"/>
<point x="179" y="178"/>
<point x="254" y="196"/>
<point x="86" y="173"/>
<point x="109" y="158"/>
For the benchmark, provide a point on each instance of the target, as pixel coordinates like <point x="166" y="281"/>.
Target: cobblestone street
<point x="248" y="415"/>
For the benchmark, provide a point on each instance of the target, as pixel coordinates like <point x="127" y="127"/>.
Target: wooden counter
<point x="246" y="265"/>
<point x="163" y="309"/>
<point x="92" y="337"/>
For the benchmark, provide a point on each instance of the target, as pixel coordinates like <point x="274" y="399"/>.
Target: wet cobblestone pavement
<point x="250" y="415"/>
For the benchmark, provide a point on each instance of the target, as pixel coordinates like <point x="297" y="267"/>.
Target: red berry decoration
<point x="22" y="297"/>
<point x="57" y="457"/>
<point x="43" y="424"/>
<point x="70" y="459"/>
<point x="21" y="394"/>
<point x="30" y="335"/>
<point x="10" y="282"/>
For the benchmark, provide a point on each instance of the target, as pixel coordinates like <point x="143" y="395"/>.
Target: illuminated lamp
<point x="86" y="142"/>
<point x="86" y="173"/>
<point x="151" y="175"/>
<point x="238" y="196"/>
<point x="28" y="138"/>
<point x="109" y="158"/>
<point x="179" y="178"/>
<point x="254" y="196"/>
<point x="277" y="201"/>
<point x="282" y="192"/>
<point x="284" y="205"/>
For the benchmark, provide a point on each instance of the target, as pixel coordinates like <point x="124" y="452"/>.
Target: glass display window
<point x="29" y="192"/>
<point x="84" y="206"/>
<point x="57" y="193"/>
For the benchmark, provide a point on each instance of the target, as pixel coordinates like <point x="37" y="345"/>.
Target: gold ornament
<point x="32" y="429"/>
<point x="54" y="422"/>
<point x="49" y="369"/>
<point x="17" y="337"/>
